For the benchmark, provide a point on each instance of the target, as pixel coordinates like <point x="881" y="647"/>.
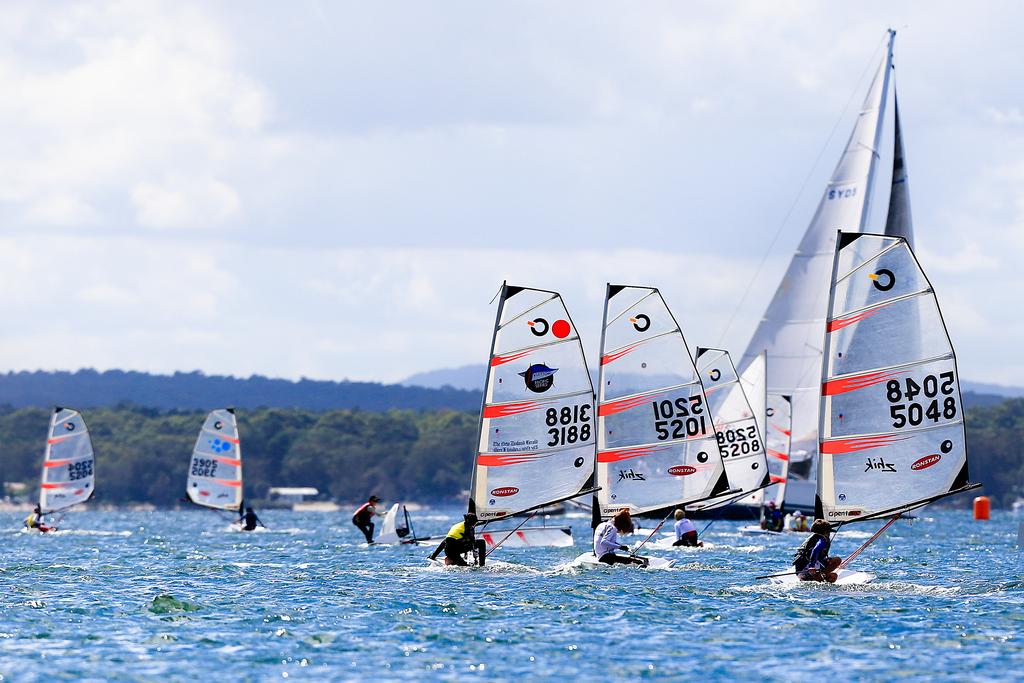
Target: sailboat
<point x="215" y="470"/>
<point x="778" y="427"/>
<point x="69" y="472"/>
<point x="790" y="330"/>
<point x="536" y="436"/>
<point x="737" y="425"/>
<point x="396" y="527"/>
<point x="657" y="446"/>
<point x="891" y="415"/>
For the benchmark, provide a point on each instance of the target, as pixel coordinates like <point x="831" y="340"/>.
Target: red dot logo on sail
<point x="540" y="327"/>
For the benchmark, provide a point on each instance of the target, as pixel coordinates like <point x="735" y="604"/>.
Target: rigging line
<point x="799" y="194"/>
<point x="660" y="524"/>
<point x="509" y="534"/>
<point x="868" y="542"/>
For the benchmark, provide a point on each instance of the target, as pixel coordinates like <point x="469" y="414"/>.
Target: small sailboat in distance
<point x="69" y="472"/>
<point x="891" y="417"/>
<point x="536" y="437"/>
<point x="215" y="469"/>
<point x="656" y="442"/>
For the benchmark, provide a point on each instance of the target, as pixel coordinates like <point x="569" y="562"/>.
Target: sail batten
<point x="536" y="437"/>
<point x="656" y="442"/>
<point x="215" y="469"/>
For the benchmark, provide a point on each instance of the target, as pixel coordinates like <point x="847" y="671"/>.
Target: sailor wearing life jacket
<point x="363" y="517"/>
<point x="812" y="562"/>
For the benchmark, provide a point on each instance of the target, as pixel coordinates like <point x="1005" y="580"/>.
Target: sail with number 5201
<point x="891" y="419"/>
<point x="215" y="471"/>
<point x="656" y="443"/>
<point x="536" y="442"/>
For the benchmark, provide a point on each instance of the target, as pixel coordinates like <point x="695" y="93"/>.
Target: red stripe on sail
<point x="613" y="407"/>
<point x="502" y="459"/>
<point x="777" y="479"/>
<point x="227" y="482"/>
<point x="510" y="409"/>
<point x="228" y="461"/>
<point x="615" y="355"/>
<point x="855" y="382"/>
<point x="63" y="485"/>
<point x="627" y="453"/>
<point x="778" y="455"/>
<point x="841" y="322"/>
<point x="861" y="443"/>
<point x="55" y="463"/>
<point x="58" y="439"/>
<point x="501" y="360"/>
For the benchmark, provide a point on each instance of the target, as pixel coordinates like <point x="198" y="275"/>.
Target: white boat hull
<point x="847" y="577"/>
<point x="529" y="537"/>
<point x="589" y="560"/>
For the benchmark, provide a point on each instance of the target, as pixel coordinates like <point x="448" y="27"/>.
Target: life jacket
<point x="364" y="514"/>
<point x="31" y="521"/>
<point x="803" y="555"/>
<point x="458" y="531"/>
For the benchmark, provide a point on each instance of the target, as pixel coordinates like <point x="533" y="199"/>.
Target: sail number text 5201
<point x="904" y="410"/>
<point x="566" y="427"/>
<point x="681" y="418"/>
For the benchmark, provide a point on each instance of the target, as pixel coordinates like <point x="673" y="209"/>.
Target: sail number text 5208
<point x="904" y="410"/>
<point x="569" y="425"/>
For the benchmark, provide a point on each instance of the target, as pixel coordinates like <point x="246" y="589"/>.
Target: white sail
<point x="69" y="472"/>
<point x="395" y="527"/>
<point x="898" y="222"/>
<point x="791" y="328"/>
<point x="656" y="444"/>
<point x="537" y="437"/>
<point x="735" y="424"/>
<point x="892" y="431"/>
<point x="215" y="471"/>
<point x="777" y="440"/>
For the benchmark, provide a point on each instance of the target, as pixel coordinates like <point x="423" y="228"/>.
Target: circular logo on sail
<point x="770" y="412"/>
<point x="218" y="425"/>
<point x="702" y="457"/>
<point x="539" y="377"/>
<point x="641" y="323"/>
<point x="504" y="491"/>
<point x="70" y="426"/>
<point x="926" y="462"/>
<point x="682" y="470"/>
<point x="883" y="280"/>
<point x="539" y="327"/>
<point x="715" y="374"/>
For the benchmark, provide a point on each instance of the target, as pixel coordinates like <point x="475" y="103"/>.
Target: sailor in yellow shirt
<point x="35" y="520"/>
<point x="460" y="541"/>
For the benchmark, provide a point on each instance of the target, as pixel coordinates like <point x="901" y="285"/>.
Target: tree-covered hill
<point x="197" y="391"/>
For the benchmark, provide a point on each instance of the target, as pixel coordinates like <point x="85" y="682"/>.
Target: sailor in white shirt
<point x="686" y="532"/>
<point x="606" y="540"/>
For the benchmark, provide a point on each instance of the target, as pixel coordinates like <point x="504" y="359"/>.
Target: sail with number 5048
<point x="891" y="416"/>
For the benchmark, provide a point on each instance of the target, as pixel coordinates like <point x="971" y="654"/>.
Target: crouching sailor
<point x="461" y="540"/>
<point x="606" y="540"/>
<point x="812" y="561"/>
<point x="35" y="520"/>
<point x="686" y="532"/>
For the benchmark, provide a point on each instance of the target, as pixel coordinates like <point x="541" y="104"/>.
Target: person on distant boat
<point x="460" y="540"/>
<point x="35" y="520"/>
<point x="771" y="517"/>
<point x="686" y="532"/>
<point x="812" y="561"/>
<point x="798" y="522"/>
<point x="606" y="540"/>
<point x="249" y="520"/>
<point x="363" y="518"/>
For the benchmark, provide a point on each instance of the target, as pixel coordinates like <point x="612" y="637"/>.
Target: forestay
<point x="892" y="431"/>
<point x="735" y="424"/>
<point x="215" y="472"/>
<point x="656" y="444"/>
<point x="69" y="473"/>
<point x="537" y="437"/>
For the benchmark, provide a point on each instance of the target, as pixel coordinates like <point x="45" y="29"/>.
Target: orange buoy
<point x="982" y="507"/>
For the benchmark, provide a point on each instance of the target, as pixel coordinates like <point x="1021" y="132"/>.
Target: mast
<point x="502" y="295"/>
<point x="790" y="330"/>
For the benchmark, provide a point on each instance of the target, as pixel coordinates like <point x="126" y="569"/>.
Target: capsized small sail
<point x="735" y="424"/>
<point x="215" y="471"/>
<point x="69" y="472"/>
<point x="891" y="425"/>
<point x="656" y="443"/>
<point x="537" y="438"/>
<point x="395" y="527"/>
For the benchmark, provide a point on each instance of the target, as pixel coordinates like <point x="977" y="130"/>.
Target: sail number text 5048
<point x="904" y="410"/>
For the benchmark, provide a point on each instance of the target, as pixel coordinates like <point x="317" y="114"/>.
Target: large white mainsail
<point x="537" y="437"/>
<point x="892" y="430"/>
<point x="215" y="471"/>
<point x="69" y="472"/>
<point x="791" y="328"/>
<point x="735" y="424"/>
<point x="656" y="444"/>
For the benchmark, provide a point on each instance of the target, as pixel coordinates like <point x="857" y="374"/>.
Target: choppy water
<point x="147" y="596"/>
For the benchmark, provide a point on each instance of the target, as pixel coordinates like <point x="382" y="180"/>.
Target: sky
<point x="336" y="190"/>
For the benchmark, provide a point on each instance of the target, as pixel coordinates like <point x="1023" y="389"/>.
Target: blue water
<point x="175" y="595"/>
